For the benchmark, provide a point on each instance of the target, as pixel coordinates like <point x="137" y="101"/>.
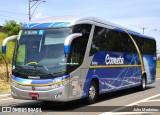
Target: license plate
<point x="33" y="94"/>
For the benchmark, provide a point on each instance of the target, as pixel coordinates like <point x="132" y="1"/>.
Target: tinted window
<point x="78" y="46"/>
<point x="126" y="43"/>
<point x="146" y="46"/>
<point x="110" y="40"/>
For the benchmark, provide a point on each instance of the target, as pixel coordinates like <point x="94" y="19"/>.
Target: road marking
<point x="132" y="104"/>
<point x="143" y="100"/>
<point x="156" y="100"/>
<point x="6" y="99"/>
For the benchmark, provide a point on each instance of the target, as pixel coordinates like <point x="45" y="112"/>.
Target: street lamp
<point x="143" y="28"/>
<point x="30" y="7"/>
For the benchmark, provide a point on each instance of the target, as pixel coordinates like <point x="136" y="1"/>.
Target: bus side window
<point x="78" y="46"/>
<point x="104" y="40"/>
<point x="145" y="45"/>
<point x="98" y="40"/>
<point x="75" y="51"/>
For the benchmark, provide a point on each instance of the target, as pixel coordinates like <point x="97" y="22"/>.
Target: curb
<point x="4" y="95"/>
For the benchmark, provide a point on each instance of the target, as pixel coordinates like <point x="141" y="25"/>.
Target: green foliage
<point x="12" y="28"/>
<point x="158" y="64"/>
<point x="158" y="69"/>
<point x="3" y="35"/>
<point x="10" y="48"/>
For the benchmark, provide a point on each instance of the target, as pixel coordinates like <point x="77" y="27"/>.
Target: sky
<point x="133" y="14"/>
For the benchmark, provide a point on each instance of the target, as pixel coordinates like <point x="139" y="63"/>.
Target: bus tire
<point x="143" y="83"/>
<point x="92" y="93"/>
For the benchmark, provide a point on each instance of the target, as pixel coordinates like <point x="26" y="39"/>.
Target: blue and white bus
<point x="69" y="58"/>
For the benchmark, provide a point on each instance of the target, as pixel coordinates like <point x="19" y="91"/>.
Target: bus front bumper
<point x="45" y="93"/>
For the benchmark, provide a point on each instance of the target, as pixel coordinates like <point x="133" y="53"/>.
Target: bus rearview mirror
<point x="5" y="41"/>
<point x="68" y="41"/>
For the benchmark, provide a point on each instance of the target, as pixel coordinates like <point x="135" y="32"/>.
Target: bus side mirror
<point x="5" y="41"/>
<point x="68" y="41"/>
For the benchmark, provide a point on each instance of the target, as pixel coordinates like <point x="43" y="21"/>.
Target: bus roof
<point x="70" y="21"/>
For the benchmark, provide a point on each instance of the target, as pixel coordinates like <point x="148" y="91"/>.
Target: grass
<point x="158" y="69"/>
<point x="4" y="87"/>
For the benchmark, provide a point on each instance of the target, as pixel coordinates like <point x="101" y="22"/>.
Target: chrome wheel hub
<point x="144" y="83"/>
<point x="92" y="92"/>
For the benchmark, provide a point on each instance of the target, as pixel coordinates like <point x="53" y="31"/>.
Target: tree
<point x="12" y="28"/>
<point x="6" y="59"/>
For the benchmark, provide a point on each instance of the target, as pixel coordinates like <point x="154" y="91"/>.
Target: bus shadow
<point x="78" y="105"/>
<point x="124" y="92"/>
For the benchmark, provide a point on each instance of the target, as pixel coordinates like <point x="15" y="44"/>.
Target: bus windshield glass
<point x="41" y="52"/>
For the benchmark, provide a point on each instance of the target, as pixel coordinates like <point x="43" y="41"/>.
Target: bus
<point x="69" y="58"/>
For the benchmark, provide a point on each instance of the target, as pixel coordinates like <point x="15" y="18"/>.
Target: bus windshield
<point x="41" y="52"/>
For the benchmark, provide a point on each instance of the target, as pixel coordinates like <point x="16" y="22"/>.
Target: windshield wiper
<point x="53" y="74"/>
<point x="43" y="67"/>
<point x="61" y="72"/>
<point x="21" y="70"/>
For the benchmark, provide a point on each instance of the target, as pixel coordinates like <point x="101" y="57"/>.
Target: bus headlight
<point x="57" y="85"/>
<point x="60" y="84"/>
<point x="65" y="82"/>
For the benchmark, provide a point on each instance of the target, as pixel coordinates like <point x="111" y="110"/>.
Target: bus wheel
<point x="92" y="93"/>
<point x="143" y="83"/>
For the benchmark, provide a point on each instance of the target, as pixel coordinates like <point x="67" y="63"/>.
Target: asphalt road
<point x="110" y="103"/>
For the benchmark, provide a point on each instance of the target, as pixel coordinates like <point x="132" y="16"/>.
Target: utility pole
<point x="30" y="7"/>
<point x="143" y="29"/>
<point x="29" y="10"/>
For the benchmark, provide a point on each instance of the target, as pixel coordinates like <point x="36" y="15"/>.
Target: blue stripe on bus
<point x="111" y="79"/>
<point x="40" y="81"/>
<point x="46" y="25"/>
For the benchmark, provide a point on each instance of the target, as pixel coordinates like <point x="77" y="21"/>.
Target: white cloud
<point x="39" y="16"/>
<point x="136" y="23"/>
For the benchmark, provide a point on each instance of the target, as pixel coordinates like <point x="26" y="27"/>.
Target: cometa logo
<point x="114" y="60"/>
<point x="33" y="77"/>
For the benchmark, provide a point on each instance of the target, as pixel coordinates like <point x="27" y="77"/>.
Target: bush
<point x="12" y="28"/>
<point x="10" y="47"/>
<point x="3" y="35"/>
